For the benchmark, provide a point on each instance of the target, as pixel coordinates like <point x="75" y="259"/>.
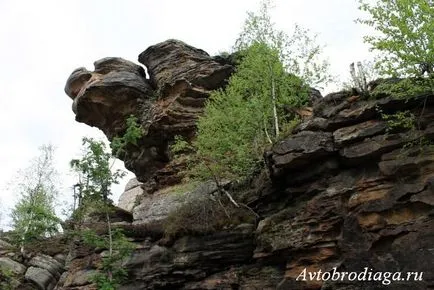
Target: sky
<point x="42" y="42"/>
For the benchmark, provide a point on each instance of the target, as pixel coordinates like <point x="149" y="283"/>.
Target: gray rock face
<point x="190" y="259"/>
<point x="300" y="150"/>
<point x="12" y="265"/>
<point x="128" y="198"/>
<point x="156" y="207"/>
<point x="351" y="134"/>
<point x="79" y="278"/>
<point x="48" y="263"/>
<point x="41" y="277"/>
<point x="4" y="245"/>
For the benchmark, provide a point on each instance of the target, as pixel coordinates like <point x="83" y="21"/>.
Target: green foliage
<point x="402" y="120"/>
<point x="180" y="145"/>
<point x="403" y="89"/>
<point x="405" y="37"/>
<point x="239" y="121"/>
<point x="133" y="133"/>
<point x="299" y="53"/>
<point x="230" y="136"/>
<point x="8" y="280"/>
<point x="95" y="180"/>
<point x="94" y="171"/>
<point x="34" y="216"/>
<point x="288" y="127"/>
<point x="112" y="273"/>
<point x="272" y="76"/>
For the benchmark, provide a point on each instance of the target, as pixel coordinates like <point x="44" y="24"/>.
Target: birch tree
<point x="34" y="216"/>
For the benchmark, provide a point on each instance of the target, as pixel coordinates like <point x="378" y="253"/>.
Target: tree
<point x="299" y="53"/>
<point x="405" y="38"/>
<point x="361" y="74"/>
<point x="95" y="173"/>
<point x="240" y="120"/>
<point x="272" y="76"/>
<point x="34" y="217"/>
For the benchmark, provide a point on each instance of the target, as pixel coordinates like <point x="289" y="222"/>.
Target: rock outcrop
<point x="129" y="198"/>
<point x="346" y="192"/>
<point x="41" y="266"/>
<point x="167" y="104"/>
<point x="358" y="195"/>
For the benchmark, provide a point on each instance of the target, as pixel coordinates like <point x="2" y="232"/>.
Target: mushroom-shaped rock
<point x="166" y="105"/>
<point x="107" y="96"/>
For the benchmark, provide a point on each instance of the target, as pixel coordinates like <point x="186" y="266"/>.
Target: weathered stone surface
<point x="129" y="197"/>
<point x="107" y="96"/>
<point x="245" y="277"/>
<point x="4" y="245"/>
<point x="41" y="277"/>
<point x="190" y="259"/>
<point x="79" y="278"/>
<point x="343" y="193"/>
<point x="351" y="134"/>
<point x="116" y="214"/>
<point x="373" y="148"/>
<point x="166" y="105"/>
<point x="12" y="265"/>
<point x="156" y="207"/>
<point x="299" y="151"/>
<point x="192" y="64"/>
<point x="404" y="162"/>
<point x="48" y="263"/>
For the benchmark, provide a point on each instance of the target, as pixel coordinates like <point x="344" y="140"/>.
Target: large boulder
<point x="130" y="197"/>
<point x="156" y="207"/>
<point x="41" y="278"/>
<point x="48" y="263"/>
<point x="12" y="265"/>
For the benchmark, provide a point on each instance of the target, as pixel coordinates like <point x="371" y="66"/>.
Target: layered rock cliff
<point x="345" y="191"/>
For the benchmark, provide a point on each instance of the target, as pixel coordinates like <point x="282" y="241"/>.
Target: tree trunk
<point x="273" y="101"/>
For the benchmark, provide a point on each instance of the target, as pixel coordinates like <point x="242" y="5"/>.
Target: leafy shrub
<point x="180" y="145"/>
<point x="404" y="35"/>
<point x="132" y="134"/>
<point x="403" y="120"/>
<point x="8" y="280"/>
<point x="403" y="89"/>
<point x="111" y="273"/>
<point x="205" y="215"/>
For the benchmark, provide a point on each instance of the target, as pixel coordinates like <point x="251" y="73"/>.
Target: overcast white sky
<point x="41" y="42"/>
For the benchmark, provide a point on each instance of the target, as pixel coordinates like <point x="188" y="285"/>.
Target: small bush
<point x="205" y="215"/>
<point x="404" y="89"/>
<point x="132" y="134"/>
<point x="180" y="145"/>
<point x="404" y="120"/>
<point x="111" y="273"/>
<point x="8" y="280"/>
<point x="288" y="128"/>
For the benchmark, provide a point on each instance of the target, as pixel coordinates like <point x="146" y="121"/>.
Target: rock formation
<point x="167" y="104"/>
<point x="344" y="192"/>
